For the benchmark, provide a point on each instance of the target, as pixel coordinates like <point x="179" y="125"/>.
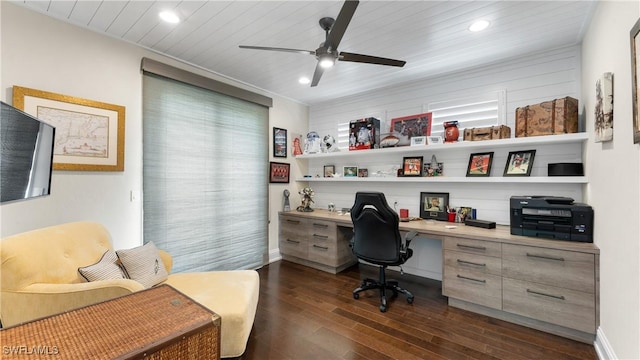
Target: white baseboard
<point x="603" y="349"/>
<point x="274" y="255"/>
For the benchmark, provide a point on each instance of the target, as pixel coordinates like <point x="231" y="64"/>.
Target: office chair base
<point x="383" y="285"/>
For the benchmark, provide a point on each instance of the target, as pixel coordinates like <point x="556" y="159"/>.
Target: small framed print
<point x="363" y="172"/>
<point x="350" y="171"/>
<point x="434" y="205"/>
<point x="329" y="170"/>
<point x="278" y="172"/>
<point x="418" y="140"/>
<point x="635" y="73"/>
<point x="519" y="163"/>
<point x="434" y="140"/>
<point x="480" y="164"/>
<point x="279" y="142"/>
<point x="412" y="166"/>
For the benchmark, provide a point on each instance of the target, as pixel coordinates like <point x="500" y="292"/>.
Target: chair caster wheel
<point x="383" y="308"/>
<point x="356" y="296"/>
<point x="410" y="300"/>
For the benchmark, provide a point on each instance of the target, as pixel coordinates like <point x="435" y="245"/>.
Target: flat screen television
<point x="26" y="155"/>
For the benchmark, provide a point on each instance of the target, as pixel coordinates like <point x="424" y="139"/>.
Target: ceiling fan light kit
<point x="327" y="54"/>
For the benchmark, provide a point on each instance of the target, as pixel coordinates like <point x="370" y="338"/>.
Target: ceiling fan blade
<point x="346" y="56"/>
<point x="317" y="75"/>
<point x="308" y="52"/>
<point x="340" y="25"/>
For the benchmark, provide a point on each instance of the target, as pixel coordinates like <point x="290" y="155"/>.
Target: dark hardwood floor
<point x="309" y="314"/>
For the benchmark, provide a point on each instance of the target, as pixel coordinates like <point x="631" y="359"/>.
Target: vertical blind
<point x="204" y="176"/>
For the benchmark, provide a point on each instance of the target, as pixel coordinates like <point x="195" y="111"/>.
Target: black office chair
<point x="377" y="240"/>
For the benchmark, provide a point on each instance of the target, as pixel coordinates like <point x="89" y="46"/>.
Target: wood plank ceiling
<point x="432" y="36"/>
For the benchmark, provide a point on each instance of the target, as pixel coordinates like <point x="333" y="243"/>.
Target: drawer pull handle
<point x="559" y="297"/>
<point x="321" y="236"/>
<point x="293" y="241"/>
<point x="470" y="263"/>
<point x="545" y="257"/>
<point x="321" y="225"/>
<point x="293" y="221"/>
<point x="471" y="247"/>
<point x="472" y="279"/>
<point x="320" y="247"/>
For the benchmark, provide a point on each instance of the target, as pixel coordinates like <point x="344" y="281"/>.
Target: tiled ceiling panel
<point x="432" y="36"/>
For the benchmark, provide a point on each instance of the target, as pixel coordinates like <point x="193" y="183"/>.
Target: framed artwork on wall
<point x="604" y="108"/>
<point x="519" y="163"/>
<point x="89" y="134"/>
<point x="279" y="172"/>
<point x="279" y="142"/>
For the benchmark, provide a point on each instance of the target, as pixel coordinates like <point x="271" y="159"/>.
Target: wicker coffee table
<point x="157" y="323"/>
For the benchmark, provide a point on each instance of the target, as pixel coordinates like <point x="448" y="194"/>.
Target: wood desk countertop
<point x="437" y="230"/>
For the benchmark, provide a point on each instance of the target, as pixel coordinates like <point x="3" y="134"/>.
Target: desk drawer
<point x="294" y="246"/>
<point x="488" y="248"/>
<point x="569" y="308"/>
<point x="561" y="268"/>
<point x="472" y="262"/>
<point x="323" y="252"/>
<point x="319" y="228"/>
<point x="473" y="286"/>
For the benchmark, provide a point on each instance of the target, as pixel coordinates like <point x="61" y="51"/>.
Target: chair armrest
<point x="408" y="237"/>
<point x="167" y="259"/>
<point x="41" y="300"/>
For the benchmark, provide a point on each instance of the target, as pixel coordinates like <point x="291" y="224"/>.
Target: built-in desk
<point x="545" y="284"/>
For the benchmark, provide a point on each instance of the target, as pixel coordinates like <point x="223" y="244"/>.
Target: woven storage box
<point x="158" y="323"/>
<point x="559" y="116"/>
<point x="487" y="133"/>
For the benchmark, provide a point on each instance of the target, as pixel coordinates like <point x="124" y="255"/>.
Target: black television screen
<point x="26" y="155"/>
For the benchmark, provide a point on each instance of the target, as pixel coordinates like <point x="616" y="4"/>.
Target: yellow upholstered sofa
<point x="39" y="277"/>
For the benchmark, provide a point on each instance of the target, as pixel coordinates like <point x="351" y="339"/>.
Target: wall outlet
<point x="135" y="196"/>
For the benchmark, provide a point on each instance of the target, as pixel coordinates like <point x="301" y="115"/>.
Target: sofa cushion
<point x="108" y="267"/>
<point x="143" y="264"/>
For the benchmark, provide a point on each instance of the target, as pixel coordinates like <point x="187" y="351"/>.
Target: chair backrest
<point x="376" y="237"/>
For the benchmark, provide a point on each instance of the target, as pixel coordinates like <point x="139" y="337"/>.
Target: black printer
<point x="551" y="217"/>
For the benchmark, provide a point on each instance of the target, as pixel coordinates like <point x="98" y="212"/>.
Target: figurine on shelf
<point x="307" y="200"/>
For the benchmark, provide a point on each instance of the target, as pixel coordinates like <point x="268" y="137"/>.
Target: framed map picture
<point x="89" y="134"/>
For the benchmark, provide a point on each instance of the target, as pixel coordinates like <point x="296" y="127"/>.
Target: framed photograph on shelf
<point x="407" y="127"/>
<point x="434" y="205"/>
<point x="418" y="140"/>
<point x="480" y="164"/>
<point x="434" y="140"/>
<point x="279" y="142"/>
<point x="519" y="163"/>
<point x="350" y="171"/>
<point x="412" y="166"/>
<point x="363" y="172"/>
<point x="279" y="172"/>
<point x="635" y="72"/>
<point x="329" y="170"/>
<point x="93" y="139"/>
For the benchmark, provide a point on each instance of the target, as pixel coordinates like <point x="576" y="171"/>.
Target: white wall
<point x="45" y="54"/>
<point x="614" y="179"/>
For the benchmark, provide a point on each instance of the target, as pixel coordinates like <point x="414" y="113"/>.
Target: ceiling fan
<point x="327" y="53"/>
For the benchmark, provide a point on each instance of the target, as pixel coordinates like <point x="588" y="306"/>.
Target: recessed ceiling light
<point x="170" y="17"/>
<point x="479" y="25"/>
<point x="304" y="80"/>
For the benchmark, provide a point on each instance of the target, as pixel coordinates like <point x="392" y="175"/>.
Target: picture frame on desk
<point x="434" y="205"/>
<point x="279" y="172"/>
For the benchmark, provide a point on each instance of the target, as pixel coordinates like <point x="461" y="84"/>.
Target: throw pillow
<point x="106" y="268"/>
<point x="143" y="264"/>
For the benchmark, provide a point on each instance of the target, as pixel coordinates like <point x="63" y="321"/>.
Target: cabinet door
<point x="293" y="237"/>
<point x="561" y="268"/>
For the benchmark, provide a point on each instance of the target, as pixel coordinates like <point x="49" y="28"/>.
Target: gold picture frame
<point x="89" y="134"/>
